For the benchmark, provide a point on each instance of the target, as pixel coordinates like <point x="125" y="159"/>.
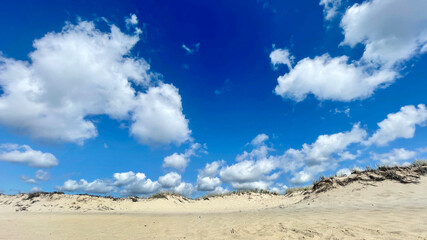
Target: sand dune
<point x="368" y="206"/>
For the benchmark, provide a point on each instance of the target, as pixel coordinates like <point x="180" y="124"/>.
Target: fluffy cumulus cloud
<point x="394" y="157"/>
<point x="328" y="150"/>
<point x="331" y="78"/>
<point x="208" y="183"/>
<point x="124" y="178"/>
<point x="185" y="189"/>
<point x="207" y="179"/>
<point x="130" y="183"/>
<point x="324" y="154"/>
<point x="211" y="169"/>
<point x="169" y="180"/>
<point x="180" y="161"/>
<point x="81" y="72"/>
<point x="140" y="185"/>
<point x="248" y="171"/>
<point x="281" y="56"/>
<point x="391" y="30"/>
<point x="390" y="36"/>
<point x="260" y="169"/>
<point x="158" y="117"/>
<point x="327" y="145"/>
<point x="24" y="154"/>
<point x="253" y="169"/>
<point x="97" y="186"/>
<point x="399" y="125"/>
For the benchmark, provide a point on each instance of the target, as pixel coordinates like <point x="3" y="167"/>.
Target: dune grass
<point x="298" y="189"/>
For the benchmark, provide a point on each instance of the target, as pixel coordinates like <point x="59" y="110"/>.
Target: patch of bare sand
<point x="359" y="210"/>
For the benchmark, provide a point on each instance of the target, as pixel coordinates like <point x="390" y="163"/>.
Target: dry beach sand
<point x="388" y="204"/>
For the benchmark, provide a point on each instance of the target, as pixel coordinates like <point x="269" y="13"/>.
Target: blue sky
<point x="136" y="97"/>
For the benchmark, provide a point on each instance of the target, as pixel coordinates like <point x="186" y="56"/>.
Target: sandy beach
<point x="360" y="210"/>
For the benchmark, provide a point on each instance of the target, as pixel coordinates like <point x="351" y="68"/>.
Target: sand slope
<point x="359" y="210"/>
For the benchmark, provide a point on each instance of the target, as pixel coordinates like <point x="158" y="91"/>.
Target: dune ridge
<point x="385" y="203"/>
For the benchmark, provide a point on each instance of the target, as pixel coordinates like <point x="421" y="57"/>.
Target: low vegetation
<point x="165" y="195"/>
<point x="298" y="189"/>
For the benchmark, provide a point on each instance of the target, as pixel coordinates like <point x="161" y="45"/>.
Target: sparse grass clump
<point x="238" y="192"/>
<point x="38" y="194"/>
<point x="420" y="163"/>
<point x="256" y="190"/>
<point x="165" y="195"/>
<point x="298" y="189"/>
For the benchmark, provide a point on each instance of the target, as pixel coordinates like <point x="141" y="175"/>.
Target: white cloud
<point x="42" y="175"/>
<point x="207" y="183"/>
<point x="259" y="169"/>
<point x="128" y="183"/>
<point x="219" y="190"/>
<point x="259" y="139"/>
<point x="180" y="161"/>
<point x="177" y="161"/>
<point x="211" y="169"/>
<point x="69" y="186"/>
<point x="132" y="20"/>
<point x="251" y="185"/>
<point x="248" y="171"/>
<point x="254" y="169"/>
<point x="96" y="186"/>
<point x="260" y="150"/>
<point x="189" y="50"/>
<point x="123" y="178"/>
<point x="324" y="154"/>
<point x="301" y="177"/>
<point x="28" y="179"/>
<point x="207" y="180"/>
<point x="391" y="30"/>
<point x="158" y="117"/>
<point x="330" y="8"/>
<point x="327" y="145"/>
<point x="24" y="154"/>
<point x="399" y="125"/>
<point x="343" y="172"/>
<point x="279" y="188"/>
<point x="346" y="155"/>
<point x="281" y="56"/>
<point x="169" y="180"/>
<point x="141" y="185"/>
<point x="185" y="189"/>
<point x="82" y="72"/>
<point x="394" y="157"/>
<point x="330" y="78"/>
<point x="36" y="189"/>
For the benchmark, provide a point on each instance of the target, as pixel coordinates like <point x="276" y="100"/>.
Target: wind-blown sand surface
<point x="365" y="208"/>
